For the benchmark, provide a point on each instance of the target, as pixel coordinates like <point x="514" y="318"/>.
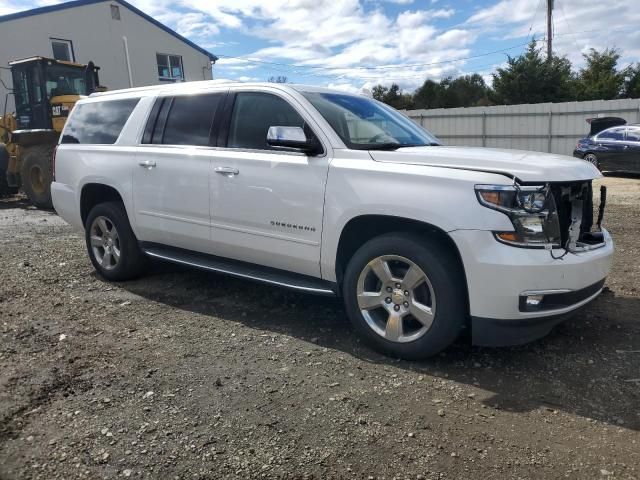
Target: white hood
<point x="525" y="166"/>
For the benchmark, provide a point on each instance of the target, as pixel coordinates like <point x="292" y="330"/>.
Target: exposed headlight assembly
<point x="532" y="211"/>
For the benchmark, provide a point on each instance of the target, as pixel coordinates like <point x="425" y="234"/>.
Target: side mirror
<point x="292" y="138"/>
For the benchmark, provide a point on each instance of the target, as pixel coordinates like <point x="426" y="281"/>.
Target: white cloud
<point x="337" y="39"/>
<point x="400" y="2"/>
<point x="578" y="25"/>
<point x="504" y="11"/>
<point x="245" y="78"/>
<point x="345" y="87"/>
<point x="334" y="40"/>
<point x="194" y="25"/>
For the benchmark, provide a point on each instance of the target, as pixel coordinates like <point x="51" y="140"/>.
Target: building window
<point x="115" y="12"/>
<point x="62" y="49"/>
<point x="170" y="67"/>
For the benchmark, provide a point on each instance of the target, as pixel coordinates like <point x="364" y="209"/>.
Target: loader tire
<point x="5" y="189"/>
<point x="37" y="175"/>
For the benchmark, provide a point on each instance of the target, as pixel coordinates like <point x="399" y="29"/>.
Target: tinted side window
<point x="633" y="135"/>
<point x="190" y="119"/>
<point x="99" y="122"/>
<point x="253" y="114"/>
<point x="615" y="134"/>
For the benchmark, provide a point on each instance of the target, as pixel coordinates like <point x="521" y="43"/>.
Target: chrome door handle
<point x="147" y="163"/>
<point x="228" y="171"/>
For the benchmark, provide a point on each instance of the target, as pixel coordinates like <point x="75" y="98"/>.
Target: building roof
<point x="80" y="3"/>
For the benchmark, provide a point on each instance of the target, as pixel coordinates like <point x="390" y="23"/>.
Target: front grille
<point x="564" y="194"/>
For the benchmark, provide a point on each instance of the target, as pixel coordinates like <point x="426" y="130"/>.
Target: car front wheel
<point x="405" y="295"/>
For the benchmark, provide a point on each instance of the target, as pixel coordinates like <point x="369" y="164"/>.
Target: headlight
<point x="532" y="211"/>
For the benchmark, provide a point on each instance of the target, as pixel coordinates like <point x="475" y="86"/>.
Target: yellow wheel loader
<point x="44" y="90"/>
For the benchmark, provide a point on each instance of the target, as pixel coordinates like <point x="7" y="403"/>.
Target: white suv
<point x="337" y="194"/>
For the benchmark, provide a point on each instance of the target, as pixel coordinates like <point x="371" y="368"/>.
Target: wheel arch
<point x="362" y="228"/>
<point x="94" y="193"/>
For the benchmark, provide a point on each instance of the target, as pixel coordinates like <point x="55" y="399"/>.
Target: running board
<point x="234" y="268"/>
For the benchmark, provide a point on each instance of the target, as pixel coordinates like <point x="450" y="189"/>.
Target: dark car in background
<point x="612" y="145"/>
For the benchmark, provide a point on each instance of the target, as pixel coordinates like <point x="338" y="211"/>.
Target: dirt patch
<point x="183" y="374"/>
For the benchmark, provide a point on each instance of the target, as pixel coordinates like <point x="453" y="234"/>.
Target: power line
<point x="350" y="72"/>
<point x="381" y="67"/>
<point x="335" y="71"/>
<point x="533" y="20"/>
<point x="566" y="21"/>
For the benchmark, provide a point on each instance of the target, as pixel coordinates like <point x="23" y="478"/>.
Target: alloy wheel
<point x="105" y="243"/>
<point x="592" y="159"/>
<point x="396" y="298"/>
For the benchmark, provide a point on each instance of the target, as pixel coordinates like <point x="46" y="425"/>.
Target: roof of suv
<point x="195" y="86"/>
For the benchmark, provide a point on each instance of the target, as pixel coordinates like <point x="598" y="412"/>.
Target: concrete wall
<point x="97" y="37"/>
<point x="543" y="127"/>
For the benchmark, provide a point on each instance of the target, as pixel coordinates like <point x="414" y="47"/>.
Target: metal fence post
<point x="484" y="129"/>
<point x="550" y="131"/>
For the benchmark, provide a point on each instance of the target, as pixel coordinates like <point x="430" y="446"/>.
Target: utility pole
<point x="549" y="29"/>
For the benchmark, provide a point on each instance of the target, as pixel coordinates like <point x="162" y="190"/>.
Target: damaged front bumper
<point x="493" y="332"/>
<point x="499" y="275"/>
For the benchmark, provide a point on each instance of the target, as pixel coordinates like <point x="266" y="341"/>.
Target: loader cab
<point x="38" y="80"/>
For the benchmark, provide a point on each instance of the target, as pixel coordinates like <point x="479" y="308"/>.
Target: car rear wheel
<point x="405" y="295"/>
<point x="592" y="159"/>
<point x="111" y="244"/>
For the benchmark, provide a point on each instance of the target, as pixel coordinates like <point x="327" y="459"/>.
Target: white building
<point x="131" y="48"/>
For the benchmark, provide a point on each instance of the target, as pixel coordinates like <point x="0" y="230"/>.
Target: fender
<point x="440" y="197"/>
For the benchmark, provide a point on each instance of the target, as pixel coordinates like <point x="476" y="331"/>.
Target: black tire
<point x="132" y="261"/>
<point x="36" y="174"/>
<point x="592" y="158"/>
<point x="444" y="273"/>
<point x="5" y="189"/>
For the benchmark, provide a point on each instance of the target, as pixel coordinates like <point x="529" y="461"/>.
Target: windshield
<point x="365" y="124"/>
<point x="65" y="80"/>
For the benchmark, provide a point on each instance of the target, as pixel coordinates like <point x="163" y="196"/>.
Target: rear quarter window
<point x="613" y="134"/>
<point x="98" y="123"/>
<point x="633" y="135"/>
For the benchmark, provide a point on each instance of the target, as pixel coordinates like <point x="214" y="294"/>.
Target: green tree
<point x="465" y="91"/>
<point x="600" y="79"/>
<point x="393" y="96"/>
<point x="632" y="82"/>
<point x="379" y="92"/>
<point x="278" y="79"/>
<point x="531" y="78"/>
<point x="428" y="95"/>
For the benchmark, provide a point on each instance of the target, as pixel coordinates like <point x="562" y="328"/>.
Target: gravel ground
<point x="183" y="374"/>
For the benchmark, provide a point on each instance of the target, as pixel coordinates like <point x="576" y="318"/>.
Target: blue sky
<point x="355" y="44"/>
